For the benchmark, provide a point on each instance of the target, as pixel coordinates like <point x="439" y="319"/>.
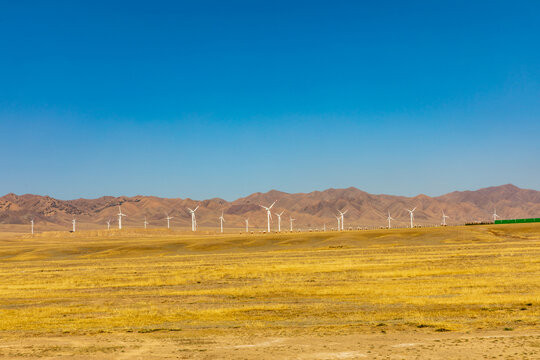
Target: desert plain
<point x="457" y="292"/>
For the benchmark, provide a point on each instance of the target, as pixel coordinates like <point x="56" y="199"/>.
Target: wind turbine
<point x="279" y="220"/>
<point x="389" y="219"/>
<point x="495" y="216"/>
<point x="32" y="222"/>
<point x="145" y="222"/>
<point x="221" y="219"/>
<point x="120" y="217"/>
<point x="193" y="221"/>
<point x="168" y="221"/>
<point x="338" y="223"/>
<point x="291" y="220"/>
<point x="108" y="224"/>
<point x="73" y="222"/>
<point x="268" y="213"/>
<point x="247" y="225"/>
<point x="412" y="216"/>
<point x="324" y="227"/>
<point x="444" y="217"/>
<point x="342" y="219"/>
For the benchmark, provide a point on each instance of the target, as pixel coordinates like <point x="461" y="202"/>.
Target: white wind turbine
<point x="221" y="220"/>
<point x="495" y="216"/>
<point x="193" y="221"/>
<point x="342" y="219"/>
<point x="279" y="220"/>
<point x="291" y="220"/>
<point x="168" y="221"/>
<point x="145" y="222"/>
<point x="32" y="222"/>
<point x="108" y="224"/>
<point x="338" y="222"/>
<point x="73" y="222"/>
<point x="324" y="227"/>
<point x="268" y="213"/>
<point x="389" y="219"/>
<point x="412" y="216"/>
<point x="247" y="225"/>
<point x="120" y="217"/>
<point x="444" y="217"/>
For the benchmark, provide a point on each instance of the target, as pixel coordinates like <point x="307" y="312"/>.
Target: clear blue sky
<point x="224" y="98"/>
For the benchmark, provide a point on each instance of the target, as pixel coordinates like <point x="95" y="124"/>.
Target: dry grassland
<point x="159" y="294"/>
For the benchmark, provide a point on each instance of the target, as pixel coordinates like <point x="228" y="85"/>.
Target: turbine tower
<point x="291" y="220"/>
<point x="247" y="225"/>
<point x="389" y="219"/>
<point x="32" y="222"/>
<point x="168" y="221"/>
<point x="73" y="222"/>
<point x="108" y="224"/>
<point x="221" y="220"/>
<point x="495" y="216"/>
<point x="444" y="217"/>
<point x="342" y="219"/>
<point x="338" y="222"/>
<point x="268" y="213"/>
<point x="120" y="217"/>
<point x="193" y="221"/>
<point x="412" y="216"/>
<point x="145" y="222"/>
<point x="279" y="220"/>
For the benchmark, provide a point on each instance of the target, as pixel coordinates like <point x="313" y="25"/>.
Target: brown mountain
<point x="311" y="210"/>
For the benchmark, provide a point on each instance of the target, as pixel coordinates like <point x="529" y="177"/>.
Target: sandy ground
<point x="418" y="345"/>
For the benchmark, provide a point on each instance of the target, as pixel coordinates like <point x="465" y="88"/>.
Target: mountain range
<point x="311" y="210"/>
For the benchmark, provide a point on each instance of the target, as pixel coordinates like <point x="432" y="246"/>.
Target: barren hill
<point x="310" y="210"/>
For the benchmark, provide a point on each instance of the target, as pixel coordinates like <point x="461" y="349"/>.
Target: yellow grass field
<point x="458" y="292"/>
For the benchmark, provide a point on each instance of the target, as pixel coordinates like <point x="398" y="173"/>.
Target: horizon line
<point x="262" y="193"/>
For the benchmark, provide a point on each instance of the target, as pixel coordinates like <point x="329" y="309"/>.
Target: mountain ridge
<point x="311" y="209"/>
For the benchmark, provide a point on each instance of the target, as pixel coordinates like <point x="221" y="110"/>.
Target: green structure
<point x="517" y="221"/>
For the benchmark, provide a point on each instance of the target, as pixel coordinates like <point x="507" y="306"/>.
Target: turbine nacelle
<point x="120" y="214"/>
<point x="269" y="207"/>
<point x="193" y="211"/>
